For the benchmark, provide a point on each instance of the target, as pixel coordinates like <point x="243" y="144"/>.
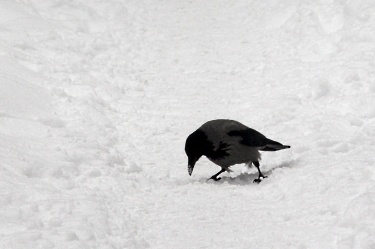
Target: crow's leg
<point x="256" y="163"/>
<point x="215" y="177"/>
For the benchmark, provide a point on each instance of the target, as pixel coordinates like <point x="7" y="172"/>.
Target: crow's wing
<point x="253" y="138"/>
<point x="250" y="137"/>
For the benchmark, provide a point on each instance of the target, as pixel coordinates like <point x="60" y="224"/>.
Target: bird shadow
<point x="246" y="178"/>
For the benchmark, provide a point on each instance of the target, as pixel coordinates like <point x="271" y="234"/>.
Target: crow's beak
<point x="191" y="165"/>
<point x="190" y="169"/>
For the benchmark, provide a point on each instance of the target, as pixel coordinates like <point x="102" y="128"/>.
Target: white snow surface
<point x="98" y="97"/>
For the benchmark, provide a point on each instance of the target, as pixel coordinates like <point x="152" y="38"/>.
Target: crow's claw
<point x="260" y="179"/>
<point x="214" y="178"/>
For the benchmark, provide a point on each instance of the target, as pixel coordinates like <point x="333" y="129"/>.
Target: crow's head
<point x="196" y="146"/>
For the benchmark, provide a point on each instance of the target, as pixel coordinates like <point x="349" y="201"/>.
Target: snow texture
<point x="98" y="97"/>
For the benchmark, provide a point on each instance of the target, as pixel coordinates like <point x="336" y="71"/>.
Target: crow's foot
<point x="259" y="179"/>
<point x="214" y="178"/>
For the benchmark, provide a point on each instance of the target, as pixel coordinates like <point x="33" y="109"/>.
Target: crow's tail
<point x="273" y="146"/>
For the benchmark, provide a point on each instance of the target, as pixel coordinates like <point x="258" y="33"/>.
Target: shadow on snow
<point x="246" y="178"/>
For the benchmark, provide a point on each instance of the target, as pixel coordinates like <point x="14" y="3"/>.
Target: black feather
<point x="274" y="146"/>
<point x="221" y="152"/>
<point x="250" y="137"/>
<point x="253" y="138"/>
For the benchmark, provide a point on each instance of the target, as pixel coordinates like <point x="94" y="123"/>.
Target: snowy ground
<point x="98" y="97"/>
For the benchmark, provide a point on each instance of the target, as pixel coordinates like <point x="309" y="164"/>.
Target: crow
<point x="228" y="142"/>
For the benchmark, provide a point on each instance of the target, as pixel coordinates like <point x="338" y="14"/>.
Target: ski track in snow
<point x="97" y="99"/>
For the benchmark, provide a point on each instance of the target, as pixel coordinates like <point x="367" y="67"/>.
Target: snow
<point x="98" y="97"/>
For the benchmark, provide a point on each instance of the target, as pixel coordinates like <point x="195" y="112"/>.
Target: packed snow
<point x="98" y="97"/>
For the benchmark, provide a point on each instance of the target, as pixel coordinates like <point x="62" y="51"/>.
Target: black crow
<point x="228" y="142"/>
